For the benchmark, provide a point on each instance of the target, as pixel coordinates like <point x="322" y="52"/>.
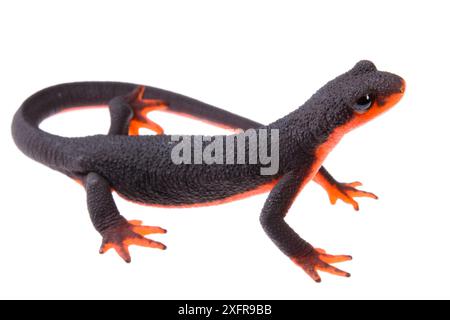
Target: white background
<point x="258" y="59"/>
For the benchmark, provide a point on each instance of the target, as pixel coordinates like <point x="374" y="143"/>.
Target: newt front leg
<point x="338" y="190"/>
<point x="280" y="199"/>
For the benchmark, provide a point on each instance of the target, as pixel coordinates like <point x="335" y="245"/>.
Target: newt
<point x="140" y="167"/>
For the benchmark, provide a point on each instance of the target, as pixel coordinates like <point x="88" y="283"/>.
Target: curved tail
<point x="49" y="149"/>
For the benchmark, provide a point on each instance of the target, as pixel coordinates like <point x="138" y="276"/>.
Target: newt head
<point x="377" y="92"/>
<point x="354" y="98"/>
<point x="346" y="102"/>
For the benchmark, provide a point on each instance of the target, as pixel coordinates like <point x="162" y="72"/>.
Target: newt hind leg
<point x="141" y="107"/>
<point x="117" y="232"/>
<point x="129" y="113"/>
<point x="129" y="233"/>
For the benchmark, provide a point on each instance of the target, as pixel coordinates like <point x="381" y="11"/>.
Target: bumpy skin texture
<point x="140" y="167"/>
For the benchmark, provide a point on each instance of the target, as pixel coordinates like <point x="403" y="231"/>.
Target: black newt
<point x="140" y="168"/>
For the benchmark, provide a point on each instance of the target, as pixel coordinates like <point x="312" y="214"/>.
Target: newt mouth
<point x="403" y="87"/>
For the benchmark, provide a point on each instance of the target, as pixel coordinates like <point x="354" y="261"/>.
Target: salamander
<point x="141" y="168"/>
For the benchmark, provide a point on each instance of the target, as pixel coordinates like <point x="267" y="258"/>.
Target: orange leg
<point x="130" y="233"/>
<point x="344" y="191"/>
<point x="319" y="260"/>
<point x="141" y="107"/>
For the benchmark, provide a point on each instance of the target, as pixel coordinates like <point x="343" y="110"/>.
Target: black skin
<point x="140" y="168"/>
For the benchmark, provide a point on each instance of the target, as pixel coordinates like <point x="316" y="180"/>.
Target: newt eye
<point x="363" y="104"/>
